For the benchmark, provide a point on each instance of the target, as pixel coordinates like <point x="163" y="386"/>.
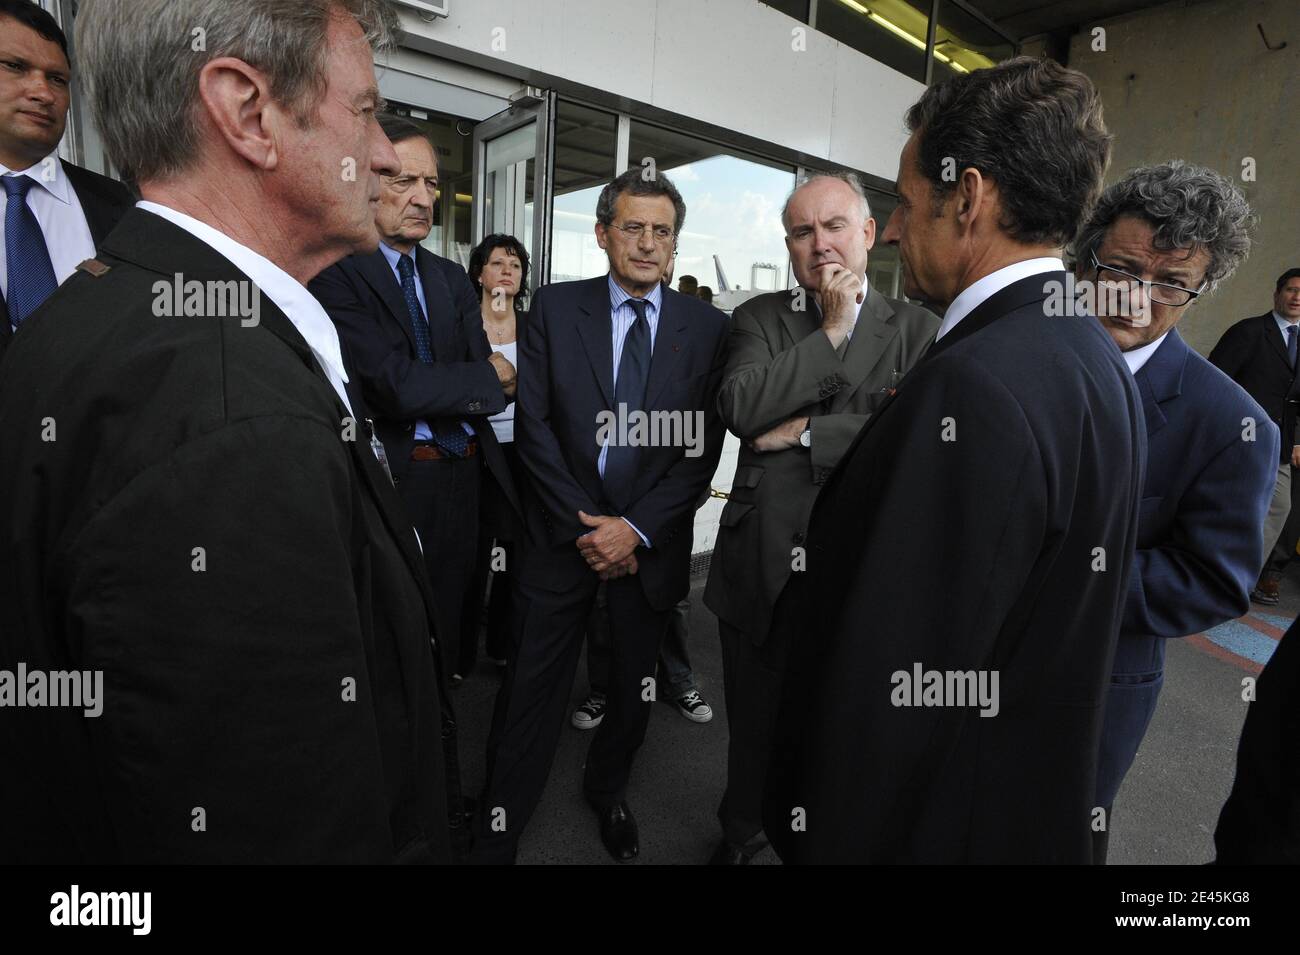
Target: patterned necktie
<point x="1290" y="345"/>
<point x="31" y="274"/>
<point x="629" y="391"/>
<point x="452" y="440"/>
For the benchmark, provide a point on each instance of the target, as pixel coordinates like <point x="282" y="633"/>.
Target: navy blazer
<point x="1253" y="354"/>
<point x="364" y="298"/>
<point x="1211" y="465"/>
<point x="566" y="380"/>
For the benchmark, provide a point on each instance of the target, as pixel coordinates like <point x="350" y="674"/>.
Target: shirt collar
<point x="288" y="294"/>
<point x="617" y="296"/>
<point x="392" y="255"/>
<point x="1138" y="357"/>
<point x="1282" y="323"/>
<point x="56" y="184"/>
<point x="978" y="292"/>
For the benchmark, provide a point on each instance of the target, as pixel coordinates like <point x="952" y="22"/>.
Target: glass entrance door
<point x="512" y="194"/>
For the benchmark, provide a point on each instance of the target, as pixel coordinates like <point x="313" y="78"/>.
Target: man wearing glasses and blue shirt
<point x="604" y="503"/>
<point x="1161" y="237"/>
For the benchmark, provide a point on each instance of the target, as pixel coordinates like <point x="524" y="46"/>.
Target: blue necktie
<point x="27" y="259"/>
<point x="1290" y="345"/>
<point x="629" y="390"/>
<point x="452" y="440"/>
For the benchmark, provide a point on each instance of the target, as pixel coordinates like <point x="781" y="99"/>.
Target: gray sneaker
<point x="589" y="714"/>
<point x="693" y="707"/>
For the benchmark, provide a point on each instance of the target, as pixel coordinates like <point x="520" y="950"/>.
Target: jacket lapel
<point x="438" y="303"/>
<point x="670" y="341"/>
<point x="871" y="338"/>
<point x="595" y="328"/>
<point x="1274" y="339"/>
<point x="1161" y="380"/>
<point x="800" y="323"/>
<point x="377" y="273"/>
<point x="102" y="213"/>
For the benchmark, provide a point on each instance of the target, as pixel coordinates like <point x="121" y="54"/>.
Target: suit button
<point x="798" y="537"/>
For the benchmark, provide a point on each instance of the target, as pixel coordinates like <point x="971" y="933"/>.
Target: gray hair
<point x="850" y="179"/>
<point x="633" y="182"/>
<point x="140" y="62"/>
<point x="1190" y="207"/>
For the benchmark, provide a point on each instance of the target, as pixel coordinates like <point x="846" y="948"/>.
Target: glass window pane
<point x="891" y="31"/>
<point x="585" y="145"/>
<point x="733" y="242"/>
<point x="963" y="43"/>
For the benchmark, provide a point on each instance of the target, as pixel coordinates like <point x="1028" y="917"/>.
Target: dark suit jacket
<point x="780" y="366"/>
<point x="364" y="298"/>
<point x="1252" y="354"/>
<point x="1208" y="483"/>
<point x="566" y="375"/>
<point x="1260" y="823"/>
<point x="103" y="201"/>
<point x="960" y="532"/>
<point x="285" y="685"/>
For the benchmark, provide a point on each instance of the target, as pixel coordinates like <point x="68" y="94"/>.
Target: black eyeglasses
<point x="1174" y="295"/>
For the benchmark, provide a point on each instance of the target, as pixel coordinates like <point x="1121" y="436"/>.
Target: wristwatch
<point x="805" y="437"/>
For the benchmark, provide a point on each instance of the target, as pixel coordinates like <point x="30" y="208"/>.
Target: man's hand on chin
<point x="609" y="544"/>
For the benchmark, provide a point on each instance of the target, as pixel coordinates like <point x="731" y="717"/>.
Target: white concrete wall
<point x="732" y="63"/>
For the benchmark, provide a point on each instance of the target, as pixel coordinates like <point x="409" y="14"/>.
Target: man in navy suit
<point x="967" y="560"/>
<point x="413" y="334"/>
<point x="617" y="424"/>
<point x="1260" y="355"/>
<point x="55" y="214"/>
<point x="1159" y="238"/>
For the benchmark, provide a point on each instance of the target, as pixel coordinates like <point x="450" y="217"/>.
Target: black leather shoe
<point x="728" y="854"/>
<point x="618" y="832"/>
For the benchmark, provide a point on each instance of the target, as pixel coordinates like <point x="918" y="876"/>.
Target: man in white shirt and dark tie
<point x="1260" y="355"/>
<point x="55" y="213"/>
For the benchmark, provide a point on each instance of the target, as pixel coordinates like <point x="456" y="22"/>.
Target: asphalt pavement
<point x="1165" y="813"/>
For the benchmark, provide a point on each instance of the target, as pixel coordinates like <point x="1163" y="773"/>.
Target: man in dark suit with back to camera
<point x="191" y="518"/>
<point x="618" y="427"/>
<point x="1160" y="238"/>
<point x="968" y="559"/>
<point x="805" y="370"/>
<point x="1260" y="355"/>
<point x="55" y="213"/>
<point x="413" y="332"/>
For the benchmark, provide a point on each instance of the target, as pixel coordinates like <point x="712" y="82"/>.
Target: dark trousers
<point x="498" y="528"/>
<point x="441" y="498"/>
<point x="675" y="678"/>
<point x="531" y="706"/>
<point x="752" y="678"/>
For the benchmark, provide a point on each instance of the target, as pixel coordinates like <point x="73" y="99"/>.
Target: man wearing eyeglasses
<point x="609" y="501"/>
<point x="1159" y="238"/>
<point x="1260" y="355"/>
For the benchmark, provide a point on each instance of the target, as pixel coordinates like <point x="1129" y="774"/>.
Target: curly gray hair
<point x="1190" y="207"/>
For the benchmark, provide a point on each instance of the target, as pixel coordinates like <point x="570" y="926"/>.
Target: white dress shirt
<point x="288" y="294"/>
<point x="1138" y="357"/>
<point x="976" y="294"/>
<point x="1282" y="326"/>
<point x="58" y="212"/>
